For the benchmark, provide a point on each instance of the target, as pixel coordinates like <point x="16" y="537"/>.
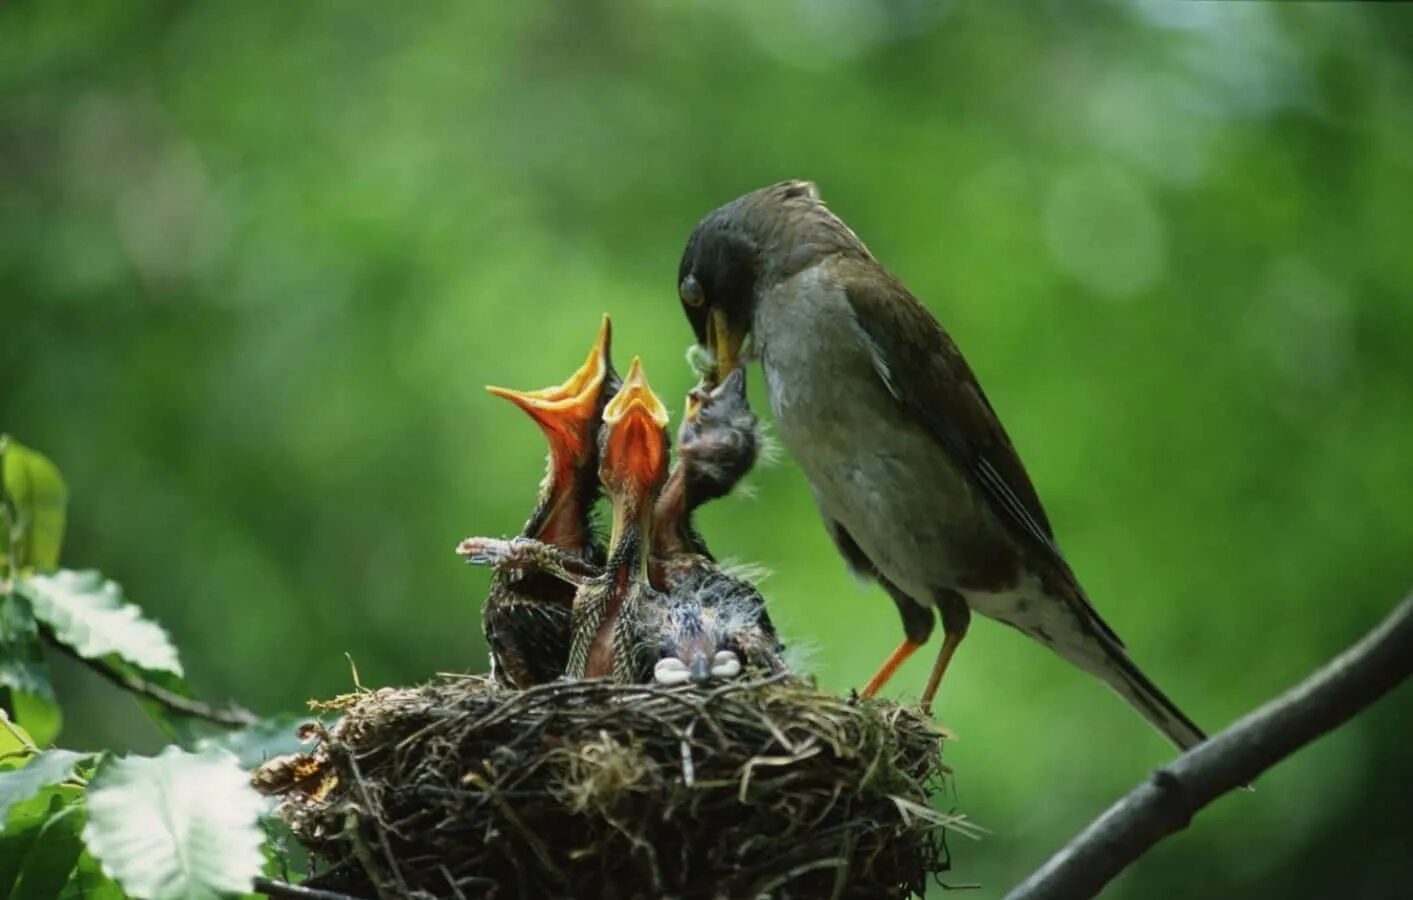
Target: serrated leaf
<point x="44" y="769"/>
<point x="22" y="666"/>
<point x="38" y="496"/>
<point x="178" y="826"/>
<point x="88" y="613"/>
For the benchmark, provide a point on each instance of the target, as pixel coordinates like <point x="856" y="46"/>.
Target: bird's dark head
<point x="719" y="439"/>
<point x="745" y="247"/>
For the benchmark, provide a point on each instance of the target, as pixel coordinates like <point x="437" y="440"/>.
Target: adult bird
<point x="526" y="615"/>
<point x="913" y="473"/>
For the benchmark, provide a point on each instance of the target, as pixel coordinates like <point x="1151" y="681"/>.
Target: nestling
<point x="715" y="622"/>
<point x="526" y="615"/>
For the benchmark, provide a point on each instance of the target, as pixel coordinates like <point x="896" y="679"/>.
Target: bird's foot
<point x="483" y="551"/>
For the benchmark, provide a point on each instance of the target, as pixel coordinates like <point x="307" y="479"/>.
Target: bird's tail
<point x="1121" y="674"/>
<point x="1103" y="654"/>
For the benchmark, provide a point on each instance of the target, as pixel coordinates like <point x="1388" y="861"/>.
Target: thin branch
<point x="272" y="888"/>
<point x="228" y="717"/>
<point x="1167" y="801"/>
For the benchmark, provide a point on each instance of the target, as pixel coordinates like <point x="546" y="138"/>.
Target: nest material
<point x="462" y="788"/>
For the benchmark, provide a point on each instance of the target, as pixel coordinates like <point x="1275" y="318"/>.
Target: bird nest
<point x="764" y="787"/>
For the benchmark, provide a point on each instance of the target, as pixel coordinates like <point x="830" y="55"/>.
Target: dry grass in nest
<point x="589" y="789"/>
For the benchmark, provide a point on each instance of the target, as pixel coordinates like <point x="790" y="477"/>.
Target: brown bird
<point x="917" y="481"/>
<point x="526" y="615"/>
<point x="714" y="623"/>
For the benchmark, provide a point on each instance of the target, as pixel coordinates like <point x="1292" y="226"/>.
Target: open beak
<point x="635" y="453"/>
<point x="566" y="412"/>
<point x="722" y="342"/>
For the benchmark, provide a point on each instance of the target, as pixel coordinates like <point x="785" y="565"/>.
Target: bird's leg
<point x="956" y="617"/>
<point x="890" y="666"/>
<point x="526" y="554"/>
<point x="917" y="617"/>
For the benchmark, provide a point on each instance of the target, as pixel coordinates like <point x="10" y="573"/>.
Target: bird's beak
<point x="635" y="454"/>
<point x="734" y="385"/>
<point x="566" y="412"/>
<point x="723" y="342"/>
<point x="699" y="669"/>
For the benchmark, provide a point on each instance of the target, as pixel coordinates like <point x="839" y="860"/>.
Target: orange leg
<point x="885" y="672"/>
<point x="950" y="642"/>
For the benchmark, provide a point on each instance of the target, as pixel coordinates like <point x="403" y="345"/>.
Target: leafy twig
<point x="231" y="716"/>
<point x="1167" y="801"/>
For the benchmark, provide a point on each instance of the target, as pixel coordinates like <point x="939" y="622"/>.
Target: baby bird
<point x="714" y="623"/>
<point x="526" y="616"/>
<point x="632" y="467"/>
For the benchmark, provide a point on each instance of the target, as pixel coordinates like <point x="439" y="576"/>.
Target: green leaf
<point x="51" y="859"/>
<point x="15" y="743"/>
<point x="37" y="496"/>
<point x="178" y="825"/>
<point x="22" y="666"/>
<point x="44" y="769"/>
<point x="88" y="882"/>
<point x="21" y="834"/>
<point x="88" y="613"/>
<point x="40" y="716"/>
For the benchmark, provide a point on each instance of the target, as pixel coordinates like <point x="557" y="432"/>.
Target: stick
<point x="272" y="888"/>
<point x="1167" y="801"/>
<point x="229" y="717"/>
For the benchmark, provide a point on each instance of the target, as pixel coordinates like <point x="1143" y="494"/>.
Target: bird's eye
<point x="691" y="291"/>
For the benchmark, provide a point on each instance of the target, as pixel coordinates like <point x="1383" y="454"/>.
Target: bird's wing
<point x="926" y="374"/>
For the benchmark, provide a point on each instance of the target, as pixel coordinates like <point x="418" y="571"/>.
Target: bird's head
<point x="568" y="413"/>
<point x="745" y="247"/>
<point x="633" y="447"/>
<point x="719" y="438"/>
<point x="693" y="647"/>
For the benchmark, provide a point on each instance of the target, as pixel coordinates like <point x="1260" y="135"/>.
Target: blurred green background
<point x="257" y="261"/>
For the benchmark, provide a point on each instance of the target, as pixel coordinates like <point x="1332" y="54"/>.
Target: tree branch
<point x="272" y="888"/>
<point x="1168" y="800"/>
<point x="228" y="717"/>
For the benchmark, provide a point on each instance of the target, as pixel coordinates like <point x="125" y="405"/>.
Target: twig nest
<point x="764" y="787"/>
